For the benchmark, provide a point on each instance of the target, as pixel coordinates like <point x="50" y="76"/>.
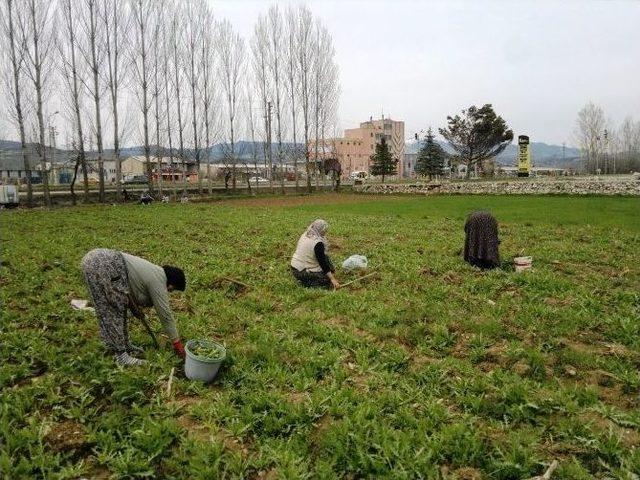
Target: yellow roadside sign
<point x="524" y="156"/>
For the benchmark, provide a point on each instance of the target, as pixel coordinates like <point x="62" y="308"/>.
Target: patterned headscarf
<point x="317" y="230"/>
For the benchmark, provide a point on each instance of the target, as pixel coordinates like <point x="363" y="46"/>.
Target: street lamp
<point x="417" y="136"/>
<point x="52" y="139"/>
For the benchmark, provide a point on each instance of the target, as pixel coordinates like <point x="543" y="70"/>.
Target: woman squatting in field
<point x="118" y="282"/>
<point x="310" y="264"/>
<point x="481" y="240"/>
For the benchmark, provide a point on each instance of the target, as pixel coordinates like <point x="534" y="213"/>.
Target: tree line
<point x="604" y="147"/>
<point x="168" y="74"/>
<point x="479" y="134"/>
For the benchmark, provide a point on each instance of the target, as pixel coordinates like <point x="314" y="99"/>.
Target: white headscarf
<point x="317" y="230"/>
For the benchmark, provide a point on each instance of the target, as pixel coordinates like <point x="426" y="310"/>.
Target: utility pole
<point x="597" y="154"/>
<point x="269" y="146"/>
<point x="605" y="153"/>
<point x="52" y="147"/>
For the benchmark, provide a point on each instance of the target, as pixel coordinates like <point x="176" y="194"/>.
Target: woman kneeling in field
<point x="481" y="240"/>
<point x="118" y="281"/>
<point x="310" y="264"/>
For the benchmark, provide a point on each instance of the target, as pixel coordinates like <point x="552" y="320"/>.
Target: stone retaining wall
<point x="630" y="187"/>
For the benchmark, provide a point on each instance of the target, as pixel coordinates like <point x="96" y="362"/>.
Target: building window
<point x="372" y="134"/>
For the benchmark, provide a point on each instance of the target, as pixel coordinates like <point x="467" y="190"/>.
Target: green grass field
<point x="432" y="369"/>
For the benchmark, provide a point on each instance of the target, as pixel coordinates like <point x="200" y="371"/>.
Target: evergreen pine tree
<point x="383" y="162"/>
<point x="430" y="158"/>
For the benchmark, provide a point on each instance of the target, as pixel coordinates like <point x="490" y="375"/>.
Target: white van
<point x="9" y="196"/>
<point x="359" y="175"/>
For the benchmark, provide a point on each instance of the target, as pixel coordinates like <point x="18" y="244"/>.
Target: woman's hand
<point x="334" y="282"/>
<point x="178" y="348"/>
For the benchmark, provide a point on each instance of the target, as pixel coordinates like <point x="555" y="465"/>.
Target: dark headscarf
<point x="481" y="240"/>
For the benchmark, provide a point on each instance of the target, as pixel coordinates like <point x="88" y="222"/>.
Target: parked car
<point x="9" y="196"/>
<point x="136" y="179"/>
<point x="359" y="175"/>
<point x="254" y="180"/>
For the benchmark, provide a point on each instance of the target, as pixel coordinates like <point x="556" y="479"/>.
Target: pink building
<point x="354" y="150"/>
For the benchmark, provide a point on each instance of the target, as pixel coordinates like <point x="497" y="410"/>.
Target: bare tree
<point x="116" y="24"/>
<point x="629" y="145"/>
<point x="166" y="73"/>
<point x="292" y="76"/>
<point x="304" y="54"/>
<point x="328" y="103"/>
<point x="321" y="61"/>
<point x="67" y="46"/>
<point x="16" y="55"/>
<point x="36" y="31"/>
<point x="325" y="92"/>
<point x="193" y="30"/>
<point x="590" y="127"/>
<point x="208" y="96"/>
<point x="260" y="59"/>
<point x="176" y="26"/>
<point x="242" y="150"/>
<point x="318" y="65"/>
<point x="251" y="127"/>
<point x="232" y="55"/>
<point x="275" y="31"/>
<point x="91" y="50"/>
<point x="157" y="86"/>
<point x="142" y="13"/>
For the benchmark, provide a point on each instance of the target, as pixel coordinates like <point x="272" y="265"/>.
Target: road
<point x="136" y="190"/>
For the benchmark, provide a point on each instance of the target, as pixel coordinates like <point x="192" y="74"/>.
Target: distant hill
<point x="542" y="154"/>
<point x="10" y="154"/>
<point x="9" y="145"/>
<point x="244" y="151"/>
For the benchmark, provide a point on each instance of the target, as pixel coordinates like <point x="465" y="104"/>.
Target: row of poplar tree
<point x="169" y="75"/>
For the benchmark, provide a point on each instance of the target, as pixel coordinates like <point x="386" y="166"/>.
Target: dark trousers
<point x="311" y="279"/>
<point x="105" y="274"/>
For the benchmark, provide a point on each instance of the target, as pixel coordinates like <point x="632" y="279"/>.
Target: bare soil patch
<point x="68" y="436"/>
<point x="298" y="397"/>
<point x="39" y="371"/>
<point x="203" y="433"/>
<point x="463" y="473"/>
<point x="321" y="426"/>
<point x="630" y="438"/>
<point x="295" y="200"/>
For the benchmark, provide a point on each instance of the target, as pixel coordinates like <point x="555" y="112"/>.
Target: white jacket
<point x="304" y="258"/>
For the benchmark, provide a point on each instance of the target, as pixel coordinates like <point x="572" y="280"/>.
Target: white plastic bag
<point x="355" y="262"/>
<point x="79" y="304"/>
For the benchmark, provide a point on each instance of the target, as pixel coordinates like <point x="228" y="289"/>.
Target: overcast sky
<point x="538" y="62"/>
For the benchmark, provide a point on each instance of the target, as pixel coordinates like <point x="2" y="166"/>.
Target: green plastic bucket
<point x="202" y="368"/>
